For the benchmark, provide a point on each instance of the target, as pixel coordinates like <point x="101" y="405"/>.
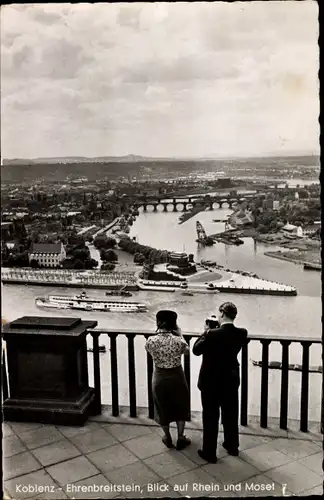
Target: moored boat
<point x="102" y="348"/>
<point x="84" y="303"/>
<point x="277" y="365"/>
<point x="312" y="266"/>
<point x="160" y="286"/>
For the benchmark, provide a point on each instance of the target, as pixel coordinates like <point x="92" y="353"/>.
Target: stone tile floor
<point x="123" y="460"/>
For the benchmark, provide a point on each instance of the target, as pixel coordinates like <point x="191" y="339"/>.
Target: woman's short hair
<point x="166" y="319"/>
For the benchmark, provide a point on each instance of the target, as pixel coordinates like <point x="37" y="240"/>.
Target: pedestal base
<point x="50" y="411"/>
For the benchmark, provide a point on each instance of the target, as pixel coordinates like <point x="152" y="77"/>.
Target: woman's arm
<point x="185" y="347"/>
<point x="147" y="345"/>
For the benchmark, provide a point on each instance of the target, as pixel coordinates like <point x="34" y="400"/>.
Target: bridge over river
<point x="192" y="202"/>
<point x="184" y="203"/>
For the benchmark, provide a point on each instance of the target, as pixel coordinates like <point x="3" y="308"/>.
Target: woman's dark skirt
<point x="170" y="395"/>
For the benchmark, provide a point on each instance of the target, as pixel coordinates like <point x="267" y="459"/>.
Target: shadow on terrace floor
<point x="105" y="459"/>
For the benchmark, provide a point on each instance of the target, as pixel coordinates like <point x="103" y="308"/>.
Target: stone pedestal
<point x="48" y="371"/>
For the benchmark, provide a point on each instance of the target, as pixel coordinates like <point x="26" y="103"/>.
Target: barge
<point x="101" y="348"/>
<point x="312" y="266"/>
<point x="277" y="365"/>
<point x="84" y="303"/>
<point x="285" y="292"/>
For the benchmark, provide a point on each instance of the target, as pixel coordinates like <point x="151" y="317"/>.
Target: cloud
<point x="200" y="78"/>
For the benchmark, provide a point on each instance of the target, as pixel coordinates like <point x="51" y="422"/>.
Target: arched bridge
<point x="184" y="204"/>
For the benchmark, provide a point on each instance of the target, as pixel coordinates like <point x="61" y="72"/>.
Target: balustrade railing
<point x="265" y="342"/>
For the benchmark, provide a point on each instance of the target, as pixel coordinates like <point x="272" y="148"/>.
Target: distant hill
<point x="57" y="169"/>
<point x="78" y="159"/>
<point x="301" y="159"/>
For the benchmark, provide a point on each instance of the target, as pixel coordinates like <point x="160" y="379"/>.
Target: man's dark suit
<point x="219" y="380"/>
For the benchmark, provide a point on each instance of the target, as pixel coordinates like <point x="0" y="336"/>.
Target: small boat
<point x="183" y="285"/>
<point x="119" y="293"/>
<point x="188" y="294"/>
<point x="102" y="348"/>
<point x="277" y="365"/>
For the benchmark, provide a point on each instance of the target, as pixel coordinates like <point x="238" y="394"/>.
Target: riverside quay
<point x="61" y="439"/>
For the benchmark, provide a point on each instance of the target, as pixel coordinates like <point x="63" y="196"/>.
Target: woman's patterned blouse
<point x="166" y="349"/>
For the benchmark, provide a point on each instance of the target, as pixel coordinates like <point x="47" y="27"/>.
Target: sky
<point x="161" y="80"/>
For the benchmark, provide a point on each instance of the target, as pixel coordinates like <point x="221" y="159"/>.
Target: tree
<point x="67" y="263"/>
<point x="80" y="253"/>
<point x="111" y="243"/>
<point x="107" y="267"/>
<point x="34" y="264"/>
<point x="78" y="264"/>
<point x="138" y="258"/>
<point x="90" y="263"/>
<point x="109" y="255"/>
<point x="262" y="229"/>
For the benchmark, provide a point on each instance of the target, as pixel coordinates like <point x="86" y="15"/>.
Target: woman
<point x="169" y="386"/>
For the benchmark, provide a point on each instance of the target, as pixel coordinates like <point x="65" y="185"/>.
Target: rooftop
<point x="116" y="454"/>
<point x="46" y="248"/>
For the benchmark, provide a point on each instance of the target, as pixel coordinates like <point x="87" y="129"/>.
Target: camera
<point x="212" y="322"/>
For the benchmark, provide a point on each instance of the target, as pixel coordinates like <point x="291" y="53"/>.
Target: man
<point x="219" y="381"/>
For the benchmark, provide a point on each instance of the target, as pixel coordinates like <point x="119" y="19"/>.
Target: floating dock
<point x="69" y="278"/>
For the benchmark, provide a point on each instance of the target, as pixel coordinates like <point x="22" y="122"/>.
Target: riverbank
<point x="297" y="256"/>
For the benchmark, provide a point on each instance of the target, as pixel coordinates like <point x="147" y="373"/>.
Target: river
<point x="261" y="315"/>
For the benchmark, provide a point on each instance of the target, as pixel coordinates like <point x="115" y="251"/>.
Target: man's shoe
<point x="204" y="456"/>
<point x="167" y="441"/>
<point x="183" y="442"/>
<point x="231" y="451"/>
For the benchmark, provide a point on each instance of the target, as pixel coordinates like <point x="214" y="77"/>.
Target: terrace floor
<point x="109" y="456"/>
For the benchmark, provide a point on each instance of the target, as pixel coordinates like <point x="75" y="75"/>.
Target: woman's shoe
<point x="183" y="442"/>
<point x="167" y="440"/>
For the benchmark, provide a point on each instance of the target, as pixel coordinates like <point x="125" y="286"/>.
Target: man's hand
<point x="206" y="328"/>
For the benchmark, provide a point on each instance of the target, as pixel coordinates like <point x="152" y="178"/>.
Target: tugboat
<point x="184" y="285"/>
<point x="212" y="288"/>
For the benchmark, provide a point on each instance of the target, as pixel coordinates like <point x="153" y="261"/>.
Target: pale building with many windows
<point x="48" y="254"/>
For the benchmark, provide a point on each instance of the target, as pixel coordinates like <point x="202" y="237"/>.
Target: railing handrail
<point x="272" y="338"/>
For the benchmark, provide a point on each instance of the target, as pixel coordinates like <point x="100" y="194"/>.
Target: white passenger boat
<point x="84" y="303"/>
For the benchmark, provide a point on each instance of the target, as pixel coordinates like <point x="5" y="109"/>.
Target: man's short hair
<point x="229" y="309"/>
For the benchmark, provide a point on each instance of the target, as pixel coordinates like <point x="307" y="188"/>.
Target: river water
<point x="298" y="316"/>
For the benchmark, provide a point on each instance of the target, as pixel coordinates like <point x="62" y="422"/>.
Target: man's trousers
<point x="226" y="400"/>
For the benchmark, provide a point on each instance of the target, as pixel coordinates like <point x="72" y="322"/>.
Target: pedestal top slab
<point x="47" y="326"/>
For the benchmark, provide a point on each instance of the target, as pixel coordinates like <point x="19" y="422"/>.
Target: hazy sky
<point x="202" y="79"/>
